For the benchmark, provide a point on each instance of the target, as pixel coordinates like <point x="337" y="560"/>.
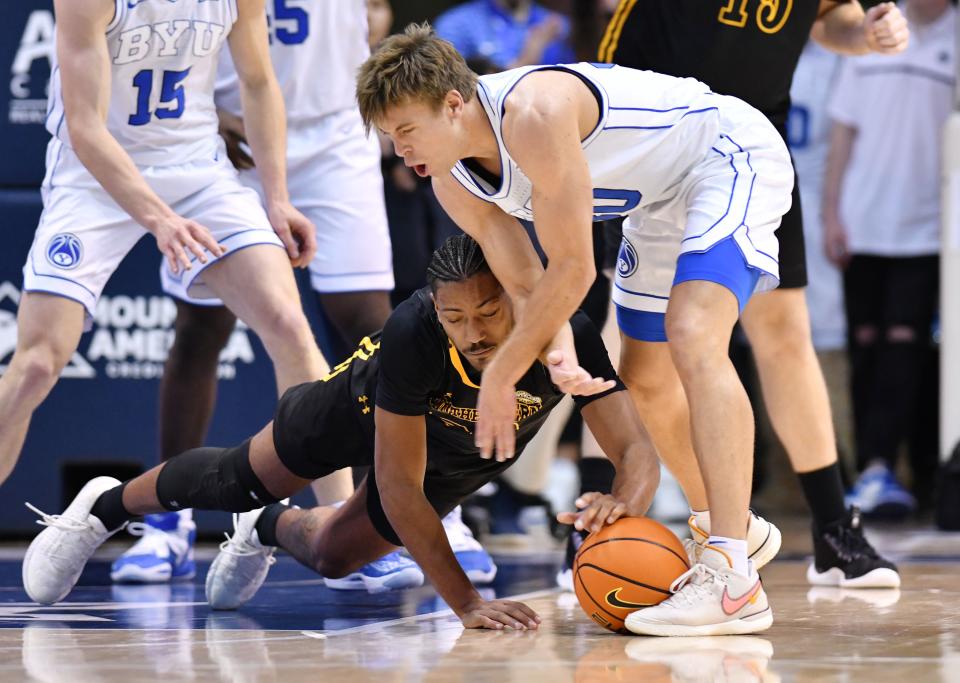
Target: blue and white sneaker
<point x="473" y="558"/>
<point x="878" y="494"/>
<point x="163" y="553"/>
<point x="393" y="571"/>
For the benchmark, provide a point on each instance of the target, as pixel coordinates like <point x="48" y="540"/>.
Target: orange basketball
<point x="626" y="566"/>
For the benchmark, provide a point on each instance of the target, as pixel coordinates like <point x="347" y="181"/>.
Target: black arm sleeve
<point x="411" y="362"/>
<point x="593" y="356"/>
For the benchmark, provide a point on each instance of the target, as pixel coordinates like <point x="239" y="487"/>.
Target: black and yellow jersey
<point x="745" y="48"/>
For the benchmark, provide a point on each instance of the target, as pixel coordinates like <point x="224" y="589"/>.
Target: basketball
<point x="624" y="567"/>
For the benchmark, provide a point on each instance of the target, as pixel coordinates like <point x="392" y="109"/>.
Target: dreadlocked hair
<point x="457" y="259"/>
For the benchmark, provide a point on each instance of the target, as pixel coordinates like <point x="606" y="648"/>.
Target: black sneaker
<point x="565" y="575"/>
<point x="842" y="556"/>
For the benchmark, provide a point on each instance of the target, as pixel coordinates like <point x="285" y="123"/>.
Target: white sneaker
<point x="708" y="600"/>
<point x="763" y="538"/>
<point x="56" y="557"/>
<point x="473" y="558"/>
<point x="241" y="566"/>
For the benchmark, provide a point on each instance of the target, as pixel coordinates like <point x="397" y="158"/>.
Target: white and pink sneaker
<point x="710" y="599"/>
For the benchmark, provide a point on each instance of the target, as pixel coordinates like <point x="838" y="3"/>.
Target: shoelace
<point x="851" y="543"/>
<point x="239" y="547"/>
<point x="691" y="586"/>
<point x="57" y="521"/>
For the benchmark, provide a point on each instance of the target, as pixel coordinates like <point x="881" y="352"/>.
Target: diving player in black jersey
<point x="750" y="49"/>
<point x="404" y="403"/>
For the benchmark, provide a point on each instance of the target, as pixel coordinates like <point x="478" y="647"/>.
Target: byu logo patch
<point x="627" y="259"/>
<point x="65" y="251"/>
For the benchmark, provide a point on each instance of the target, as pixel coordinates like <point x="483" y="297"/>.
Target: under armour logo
<point x="174" y="504"/>
<point x="254" y="496"/>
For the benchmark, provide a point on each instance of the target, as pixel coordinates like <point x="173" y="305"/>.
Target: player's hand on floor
<point x="570" y="378"/>
<point x="499" y="614"/>
<point x="298" y="234"/>
<point x="595" y="510"/>
<point x="495" y="433"/>
<point x="885" y="29"/>
<point x="178" y="238"/>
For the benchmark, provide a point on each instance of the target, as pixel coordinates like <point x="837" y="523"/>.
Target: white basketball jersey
<point x="652" y="130"/>
<point x="163" y="57"/>
<point x="316" y="47"/>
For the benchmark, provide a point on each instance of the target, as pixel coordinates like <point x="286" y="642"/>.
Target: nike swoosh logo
<point x="613" y="599"/>
<point x="730" y="605"/>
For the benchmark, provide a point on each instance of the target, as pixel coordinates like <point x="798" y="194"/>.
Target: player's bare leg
<point x="647" y="370"/>
<point x="699" y="323"/>
<point x="333" y="541"/>
<point x="270" y="304"/>
<point x="188" y="389"/>
<point x="794" y="391"/>
<point x="356" y="314"/>
<point x="48" y="331"/>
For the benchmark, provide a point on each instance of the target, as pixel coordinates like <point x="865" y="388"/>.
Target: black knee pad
<point x="212" y="479"/>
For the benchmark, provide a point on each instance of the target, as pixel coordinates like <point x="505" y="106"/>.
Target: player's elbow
<point x="578" y="274"/>
<point x="83" y="130"/>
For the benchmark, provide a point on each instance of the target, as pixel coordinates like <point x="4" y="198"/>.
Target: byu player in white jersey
<point x="136" y="150"/>
<point x="569" y="144"/>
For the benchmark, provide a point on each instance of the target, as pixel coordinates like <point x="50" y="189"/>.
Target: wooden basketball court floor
<point x="297" y="630"/>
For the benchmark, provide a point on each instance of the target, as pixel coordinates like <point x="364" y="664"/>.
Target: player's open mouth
<point x="420" y="170"/>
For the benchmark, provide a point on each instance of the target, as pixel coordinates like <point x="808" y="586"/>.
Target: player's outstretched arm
<point x="847" y="29"/>
<point x="85" y="82"/>
<point x="265" y="124"/>
<point x="614" y="421"/>
<point x="400" y="462"/>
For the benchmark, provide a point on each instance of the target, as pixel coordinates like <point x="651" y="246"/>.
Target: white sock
<point x="186" y="515"/>
<point x="735" y="549"/>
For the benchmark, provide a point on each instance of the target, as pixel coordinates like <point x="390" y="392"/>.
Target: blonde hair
<point x="415" y="65"/>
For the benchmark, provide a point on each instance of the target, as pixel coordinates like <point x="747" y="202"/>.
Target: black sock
<point x="823" y="490"/>
<point x="596" y="474"/>
<point x="109" y="508"/>
<point x="267" y="524"/>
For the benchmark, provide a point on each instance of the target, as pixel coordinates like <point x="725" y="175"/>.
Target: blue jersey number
<point x="298" y="31"/>
<point x="171" y="93"/>
<point x="798" y="127"/>
<point x="619" y="201"/>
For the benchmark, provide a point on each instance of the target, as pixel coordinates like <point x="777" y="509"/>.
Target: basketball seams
<point x="622" y="578"/>
<point x="583" y="550"/>
<point x="583" y="586"/>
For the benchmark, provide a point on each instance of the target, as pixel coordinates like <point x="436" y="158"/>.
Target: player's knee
<point x="212" y="479"/>
<point x="693" y="341"/>
<point x="645" y="381"/>
<point x="285" y="330"/>
<point x="38" y="367"/>
<point x="201" y="331"/>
